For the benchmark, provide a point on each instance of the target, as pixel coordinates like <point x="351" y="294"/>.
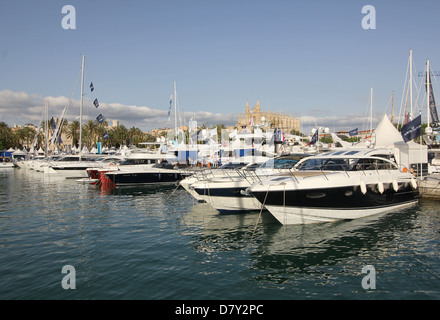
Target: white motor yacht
<point x="346" y="184"/>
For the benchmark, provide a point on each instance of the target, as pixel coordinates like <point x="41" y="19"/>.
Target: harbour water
<point x="155" y="243"/>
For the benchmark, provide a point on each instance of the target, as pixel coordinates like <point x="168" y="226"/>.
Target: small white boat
<point x="87" y="181"/>
<point x="71" y="166"/>
<point x="5" y="165"/>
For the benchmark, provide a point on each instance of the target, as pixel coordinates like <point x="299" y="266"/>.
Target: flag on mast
<point x="432" y="106"/>
<point x="169" y="110"/>
<point x="412" y="129"/>
<point x="353" y="132"/>
<point x="100" y="118"/>
<point x="314" y="138"/>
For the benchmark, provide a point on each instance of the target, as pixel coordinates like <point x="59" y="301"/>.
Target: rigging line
<point x="388" y="103"/>
<point x="259" y="215"/>
<point x="178" y="185"/>
<point x="73" y="91"/>
<point x="433" y="191"/>
<point x="422" y="80"/>
<point x="424" y="91"/>
<point x="365" y="123"/>
<point x="405" y="84"/>
<point x="66" y="108"/>
<point x="90" y="75"/>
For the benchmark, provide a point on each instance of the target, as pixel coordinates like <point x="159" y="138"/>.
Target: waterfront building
<point x="272" y="119"/>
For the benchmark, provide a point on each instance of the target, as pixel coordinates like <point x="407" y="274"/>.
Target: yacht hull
<point x="130" y="178"/>
<point x="301" y="215"/>
<point x="332" y="204"/>
<point x="229" y="199"/>
<point x="67" y="172"/>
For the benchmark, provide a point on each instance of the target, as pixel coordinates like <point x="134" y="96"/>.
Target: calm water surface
<point x="155" y="243"/>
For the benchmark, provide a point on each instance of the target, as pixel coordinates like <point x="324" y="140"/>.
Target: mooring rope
<point x="178" y="185"/>
<point x="259" y="215"/>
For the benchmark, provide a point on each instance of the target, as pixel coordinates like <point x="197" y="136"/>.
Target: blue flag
<point x="169" y="110"/>
<point x="54" y="125"/>
<point x="314" y="138"/>
<point x="432" y="106"/>
<point x="412" y="129"/>
<point x="91" y="87"/>
<point x="105" y="135"/>
<point x="100" y="118"/>
<point x="96" y="103"/>
<point x="353" y="132"/>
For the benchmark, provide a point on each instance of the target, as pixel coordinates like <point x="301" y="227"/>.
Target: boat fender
<point x="413" y="183"/>
<point x="380" y="187"/>
<point x="363" y="187"/>
<point x="395" y="185"/>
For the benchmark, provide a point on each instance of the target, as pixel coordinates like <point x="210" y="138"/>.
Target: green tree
<point x="24" y="136"/>
<point x="100" y="131"/>
<point x="89" y="133"/>
<point x="135" y="136"/>
<point x="117" y="136"/>
<point x="6" y="136"/>
<point x="72" y="132"/>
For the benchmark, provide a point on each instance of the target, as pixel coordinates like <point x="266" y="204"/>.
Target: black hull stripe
<point x="337" y="198"/>
<point x="144" y="178"/>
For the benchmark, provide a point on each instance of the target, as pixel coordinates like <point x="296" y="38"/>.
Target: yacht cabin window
<point x="346" y="164"/>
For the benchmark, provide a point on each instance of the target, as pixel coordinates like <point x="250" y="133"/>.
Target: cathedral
<point x="273" y="119"/>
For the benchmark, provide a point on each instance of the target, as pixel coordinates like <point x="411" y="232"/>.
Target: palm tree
<point x="118" y="136"/>
<point x="20" y="136"/>
<point x="135" y="136"/>
<point x="89" y="132"/>
<point x="100" y="130"/>
<point x="40" y="139"/>
<point x="73" y="132"/>
<point x="29" y="134"/>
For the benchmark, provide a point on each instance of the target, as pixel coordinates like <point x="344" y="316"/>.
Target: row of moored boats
<point x="296" y="188"/>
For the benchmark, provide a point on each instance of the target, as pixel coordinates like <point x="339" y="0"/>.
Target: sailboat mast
<point x="371" y="113"/>
<point x="410" y="83"/>
<point x="428" y="76"/>
<point x="175" y="110"/>
<point x="81" y="104"/>
<point x="392" y="109"/>
<point x="46" y="129"/>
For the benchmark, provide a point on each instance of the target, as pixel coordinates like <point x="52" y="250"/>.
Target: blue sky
<point x="308" y="58"/>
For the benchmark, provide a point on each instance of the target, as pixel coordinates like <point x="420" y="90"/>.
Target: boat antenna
<point x="81" y="105"/>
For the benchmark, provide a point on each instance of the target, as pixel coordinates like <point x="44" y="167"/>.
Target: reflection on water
<point x="151" y="242"/>
<point x="330" y="256"/>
